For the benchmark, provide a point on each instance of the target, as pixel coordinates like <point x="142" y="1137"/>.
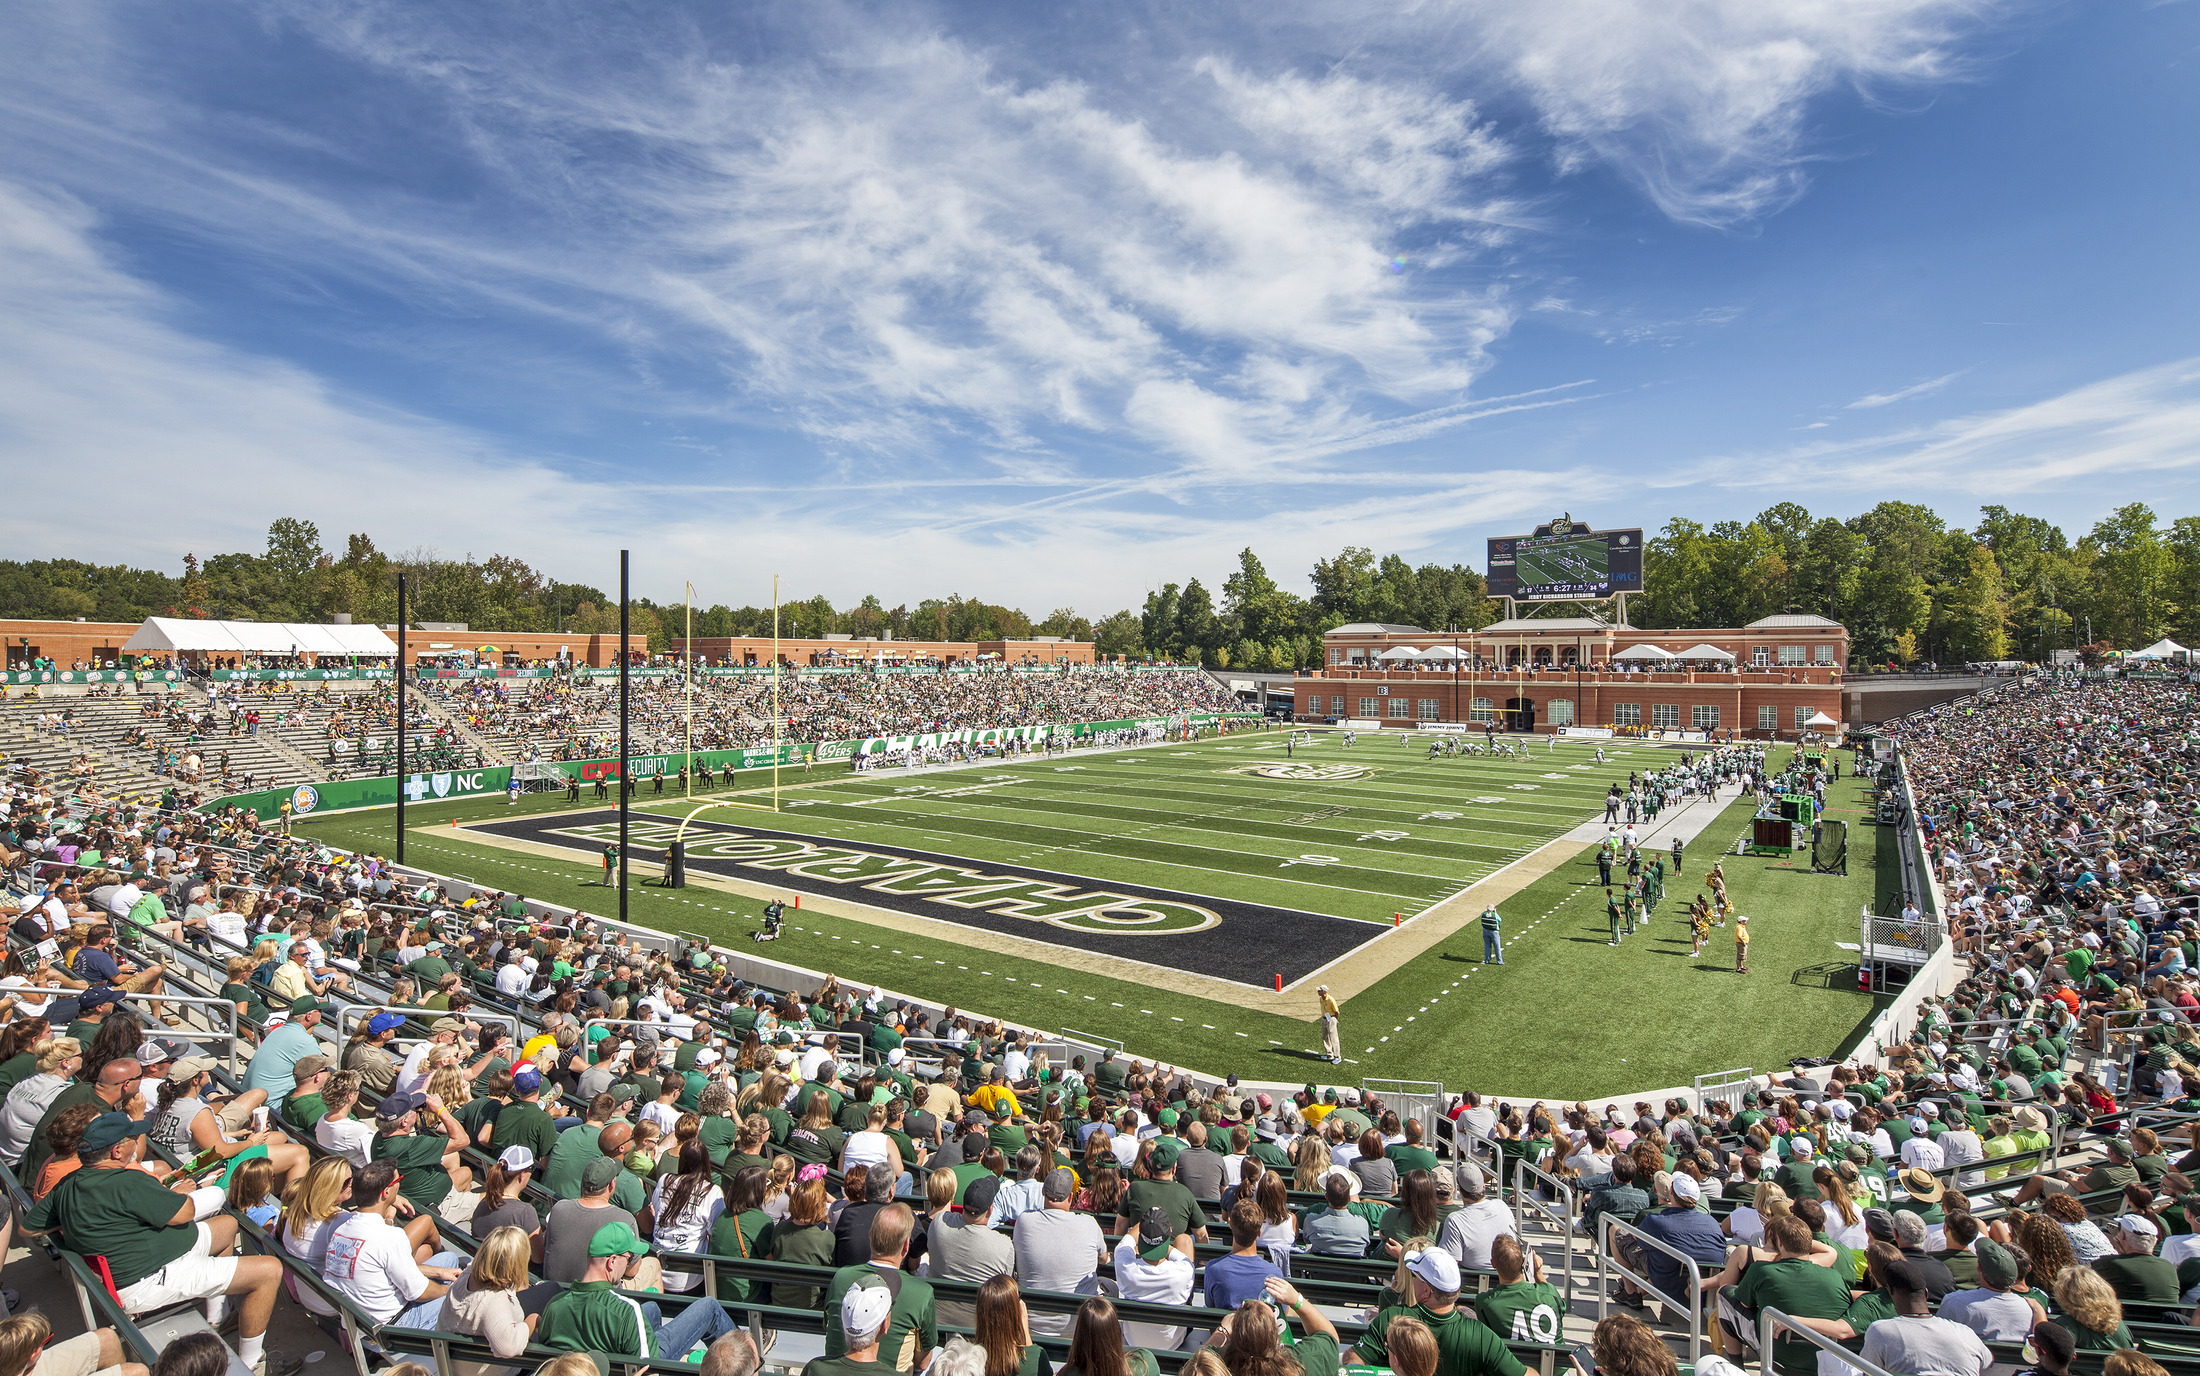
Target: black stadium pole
<point x="623" y="785"/>
<point x="400" y="718"/>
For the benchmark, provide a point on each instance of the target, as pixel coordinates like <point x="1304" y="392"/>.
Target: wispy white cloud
<point x="1922" y="389"/>
<point x="2141" y="422"/>
<point x="1705" y="104"/>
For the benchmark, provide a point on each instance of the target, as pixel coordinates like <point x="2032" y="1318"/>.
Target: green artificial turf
<point x="1567" y="1016"/>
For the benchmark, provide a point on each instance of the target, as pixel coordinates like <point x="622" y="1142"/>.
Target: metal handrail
<point x="1608" y="1262"/>
<point x="1565" y="1220"/>
<point x="1769" y="1320"/>
<point x="368" y="1010"/>
<point x="193" y="1034"/>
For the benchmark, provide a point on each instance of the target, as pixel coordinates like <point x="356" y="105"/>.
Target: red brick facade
<point x="1529" y="675"/>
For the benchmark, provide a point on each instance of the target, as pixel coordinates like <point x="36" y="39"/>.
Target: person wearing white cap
<point x="864" y="1311"/>
<point x="2134" y="1272"/>
<point x="502" y="1198"/>
<point x="1464" y="1342"/>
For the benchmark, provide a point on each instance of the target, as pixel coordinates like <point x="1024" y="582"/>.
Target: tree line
<point x="1909" y="586"/>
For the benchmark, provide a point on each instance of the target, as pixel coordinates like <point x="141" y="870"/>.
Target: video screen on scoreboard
<point x="1561" y="562"/>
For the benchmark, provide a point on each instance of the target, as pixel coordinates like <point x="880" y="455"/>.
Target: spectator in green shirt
<point x="1791" y="1283"/>
<point x="1466" y="1346"/>
<point x="910" y="1330"/>
<point x="1410" y="1155"/>
<point x="429" y="1165"/>
<point x="302" y="1107"/>
<point x="591" y="1315"/>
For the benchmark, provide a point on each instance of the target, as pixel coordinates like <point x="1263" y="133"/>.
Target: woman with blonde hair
<point x="1844" y="1221"/>
<point x="2091" y="1313"/>
<point x="1747" y="1223"/>
<point x="484" y="1302"/>
<point x="310" y="1209"/>
<point x="1411" y="1346"/>
<point x="56" y="1060"/>
<point x="26" y="1343"/>
<point x="1310" y="1160"/>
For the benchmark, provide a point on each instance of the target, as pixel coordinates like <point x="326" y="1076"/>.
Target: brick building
<point x="843" y="649"/>
<point x="1535" y="674"/>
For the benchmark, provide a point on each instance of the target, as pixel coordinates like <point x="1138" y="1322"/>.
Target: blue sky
<point x="1048" y="303"/>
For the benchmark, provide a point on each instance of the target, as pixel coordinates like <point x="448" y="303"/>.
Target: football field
<point x="1237" y="860"/>
<point x="1155" y="895"/>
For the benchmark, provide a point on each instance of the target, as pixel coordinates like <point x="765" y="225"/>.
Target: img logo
<point x="304" y="798"/>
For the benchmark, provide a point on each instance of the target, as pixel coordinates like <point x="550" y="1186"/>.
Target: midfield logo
<point x="928" y="881"/>
<point x="1294" y="769"/>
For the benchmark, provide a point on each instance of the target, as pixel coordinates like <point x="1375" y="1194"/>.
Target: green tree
<point x="1977" y="619"/>
<point x="2133" y="568"/>
<point x="1119" y="634"/>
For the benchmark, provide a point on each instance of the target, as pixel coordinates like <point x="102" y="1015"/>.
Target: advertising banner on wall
<point x="306" y="799"/>
<point x="33" y="677"/>
<point x="343" y="674"/>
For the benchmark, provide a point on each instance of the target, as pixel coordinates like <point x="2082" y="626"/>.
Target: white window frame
<point x="1482" y="709"/>
<point x="1704" y="716"/>
<point x="1823" y="654"/>
<point x="1559" y="712"/>
<point x="1794" y="656"/>
<point x="1370" y="706"/>
<point x="1803" y="715"/>
<point x="1398" y="707"/>
<point x="1760" y="656"/>
<point x="1768" y="719"/>
<point x="1626" y="714"/>
<point x="1665" y="716"/>
<point x="1428" y="709"/>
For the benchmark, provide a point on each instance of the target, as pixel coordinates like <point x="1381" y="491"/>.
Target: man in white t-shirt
<point x="1151" y="1265"/>
<point x="1478" y="1221"/>
<point x="370" y="1261"/>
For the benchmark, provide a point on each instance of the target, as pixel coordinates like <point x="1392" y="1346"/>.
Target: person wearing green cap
<point x="1157" y="1188"/>
<point x="592" y="1315"/>
<point x="1992" y="1310"/>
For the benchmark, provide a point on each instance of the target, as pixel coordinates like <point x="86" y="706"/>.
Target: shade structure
<point x="2160" y="649"/>
<point x="1819" y="721"/>
<point x="1400" y="652"/>
<point x="1643" y="652"/>
<point x="180" y="635"/>
<point x="1442" y="652"/>
<point x="1704" y="652"/>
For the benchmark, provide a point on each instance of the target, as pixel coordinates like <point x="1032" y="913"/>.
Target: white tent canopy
<point x="1819" y="721"/>
<point x="2160" y="649"/>
<point x="175" y="635"/>
<point x="1643" y="652"/>
<point x="1442" y="652"/>
<point x="1400" y="652"/>
<point x="1704" y="652"/>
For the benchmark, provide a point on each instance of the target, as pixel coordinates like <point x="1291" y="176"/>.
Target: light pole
<point x="623" y="783"/>
<point x="400" y="718"/>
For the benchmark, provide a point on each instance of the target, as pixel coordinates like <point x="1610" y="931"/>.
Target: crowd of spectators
<point x="566" y="719"/>
<point x="524" y="1130"/>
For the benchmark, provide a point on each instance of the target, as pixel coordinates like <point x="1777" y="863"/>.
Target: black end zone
<point x="1246" y="943"/>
